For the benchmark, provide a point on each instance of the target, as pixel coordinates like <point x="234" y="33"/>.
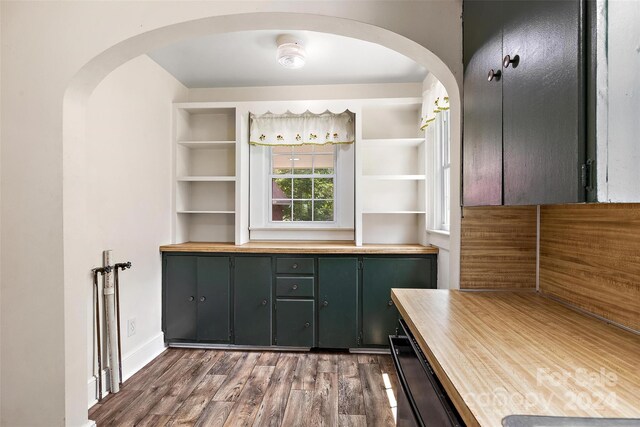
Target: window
<point x="302" y="181"/>
<point x="444" y="168"/>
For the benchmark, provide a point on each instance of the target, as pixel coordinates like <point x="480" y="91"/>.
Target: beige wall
<point x="129" y="197"/>
<point x="44" y="45"/>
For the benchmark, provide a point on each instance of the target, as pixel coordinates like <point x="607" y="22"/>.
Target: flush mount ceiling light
<point x="291" y="53"/>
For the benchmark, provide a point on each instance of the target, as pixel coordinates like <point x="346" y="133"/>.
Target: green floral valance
<point x="436" y="101"/>
<point x="302" y="129"/>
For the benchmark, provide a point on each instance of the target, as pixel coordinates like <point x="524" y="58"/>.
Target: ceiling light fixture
<point x="291" y="53"/>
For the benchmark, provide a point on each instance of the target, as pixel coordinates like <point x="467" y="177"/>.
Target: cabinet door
<point x="543" y="102"/>
<point x="180" y="297"/>
<point x="252" y="308"/>
<point x="294" y="322"/>
<point x="482" y="143"/>
<point x="213" y="298"/>
<point x="337" y="302"/>
<point x="379" y="315"/>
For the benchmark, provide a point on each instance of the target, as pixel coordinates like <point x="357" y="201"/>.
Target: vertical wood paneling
<point x="590" y="257"/>
<point x="498" y="247"/>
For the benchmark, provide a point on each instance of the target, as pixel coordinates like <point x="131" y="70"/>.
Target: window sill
<point x="439" y="232"/>
<point x="301" y="228"/>
<point x="439" y="238"/>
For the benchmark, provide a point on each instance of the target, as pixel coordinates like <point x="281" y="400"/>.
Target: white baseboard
<point x="131" y="363"/>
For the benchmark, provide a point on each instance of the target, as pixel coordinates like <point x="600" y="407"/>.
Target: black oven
<point x="422" y="400"/>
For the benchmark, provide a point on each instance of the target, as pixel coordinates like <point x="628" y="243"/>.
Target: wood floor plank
<point x="352" y="420"/>
<point x="248" y="404"/>
<point x="114" y="405"/>
<point x="195" y="404"/>
<point x="368" y="358"/>
<point x="139" y="407"/>
<point x="272" y="407"/>
<point x="215" y="414"/>
<point x="182" y="387"/>
<point x="348" y="365"/>
<point x="305" y="376"/>
<point x="387" y="367"/>
<point x="297" y="413"/>
<point x="328" y="362"/>
<point x="325" y="400"/>
<point x="153" y="421"/>
<point x="268" y="358"/>
<point x="377" y="407"/>
<point x="225" y="363"/>
<point x="144" y="377"/>
<point x="237" y="378"/>
<point x="350" y="396"/>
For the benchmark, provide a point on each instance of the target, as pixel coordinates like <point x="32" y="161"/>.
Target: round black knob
<point x="325" y="303"/>
<point x="202" y="299"/>
<point x="191" y="298"/>
<point x="390" y="303"/>
<point x="294" y="266"/>
<point x="306" y="325"/>
<point x="508" y="60"/>
<point x="264" y="302"/>
<point x="294" y="287"/>
<point x="494" y="74"/>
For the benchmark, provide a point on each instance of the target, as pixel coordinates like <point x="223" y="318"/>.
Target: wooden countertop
<point x="497" y="353"/>
<point x="300" y="248"/>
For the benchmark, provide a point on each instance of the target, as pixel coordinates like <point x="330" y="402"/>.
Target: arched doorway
<point x="75" y="166"/>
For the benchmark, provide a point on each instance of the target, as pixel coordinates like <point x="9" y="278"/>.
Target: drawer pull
<point x="264" y="302"/>
<point x="295" y="287"/>
<point x="191" y="299"/>
<point x="295" y="266"/>
<point x="306" y="325"/>
<point x="390" y="303"/>
<point x="325" y="303"/>
<point x="203" y="299"/>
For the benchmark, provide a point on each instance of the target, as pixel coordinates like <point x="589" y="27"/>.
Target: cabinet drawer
<point x="294" y="287"/>
<point x="295" y="265"/>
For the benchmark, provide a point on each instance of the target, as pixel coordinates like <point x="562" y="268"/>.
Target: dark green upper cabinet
<point x="214" y="290"/>
<point x="524" y="130"/>
<point x="482" y="149"/>
<point x="338" y="302"/>
<point x="180" y="295"/>
<point x="379" y="275"/>
<point x="252" y="308"/>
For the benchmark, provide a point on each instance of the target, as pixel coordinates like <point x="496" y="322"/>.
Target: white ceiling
<point x="248" y="58"/>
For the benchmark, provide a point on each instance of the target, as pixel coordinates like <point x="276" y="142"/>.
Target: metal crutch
<point x="117" y="267"/>
<point x="98" y="334"/>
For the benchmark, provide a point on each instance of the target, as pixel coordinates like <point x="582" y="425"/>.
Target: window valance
<point x="436" y="101"/>
<point x="302" y="129"/>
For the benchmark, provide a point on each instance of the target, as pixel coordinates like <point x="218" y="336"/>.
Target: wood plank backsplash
<point x="590" y="258"/>
<point x="498" y="247"/>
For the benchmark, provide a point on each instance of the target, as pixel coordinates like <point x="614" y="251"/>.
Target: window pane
<point x="281" y="188"/>
<point x="282" y="164"/>
<point x="323" y="211"/>
<point x="302" y="149"/>
<point x="301" y="210"/>
<point x="302" y="188"/>
<point x="323" y="188"/>
<point x="323" y="164"/>
<point x="281" y="210"/>
<point x="326" y="148"/>
<point x="281" y="149"/>
<point x="302" y="164"/>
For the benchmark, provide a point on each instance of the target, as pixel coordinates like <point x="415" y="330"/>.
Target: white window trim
<point x="437" y="224"/>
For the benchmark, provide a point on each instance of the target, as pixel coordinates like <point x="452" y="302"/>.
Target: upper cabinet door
<point x="482" y="149"/>
<point x="543" y="102"/>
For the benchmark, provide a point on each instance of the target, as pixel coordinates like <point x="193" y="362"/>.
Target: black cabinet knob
<point x="390" y="303"/>
<point x="508" y="60"/>
<point x="203" y="299"/>
<point x="294" y="287"/>
<point x="494" y="75"/>
<point x="294" y="266"/>
<point x="264" y="302"/>
<point x="325" y="303"/>
<point x="306" y="325"/>
<point x="191" y="299"/>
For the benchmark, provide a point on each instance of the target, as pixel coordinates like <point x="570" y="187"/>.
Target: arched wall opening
<point x="76" y="165"/>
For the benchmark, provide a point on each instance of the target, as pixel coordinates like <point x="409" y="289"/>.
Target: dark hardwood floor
<point x="237" y="388"/>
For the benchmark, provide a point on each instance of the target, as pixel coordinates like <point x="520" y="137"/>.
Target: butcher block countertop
<point x="504" y="353"/>
<point x="300" y="248"/>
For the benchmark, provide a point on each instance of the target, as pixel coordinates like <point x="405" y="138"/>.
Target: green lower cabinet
<point x="252" y="305"/>
<point x="179" y="299"/>
<point x="379" y="275"/>
<point x="337" y="302"/>
<point x="214" y="292"/>
<point x="295" y="323"/>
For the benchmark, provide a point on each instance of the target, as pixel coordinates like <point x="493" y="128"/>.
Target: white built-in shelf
<point x="206" y="178"/>
<point x="392" y="212"/>
<point x="206" y="144"/>
<point x="393" y="142"/>
<point x="395" y="177"/>
<point x="206" y="212"/>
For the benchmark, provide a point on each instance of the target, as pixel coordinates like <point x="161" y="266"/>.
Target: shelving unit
<point x="205" y="173"/>
<point x="391" y="174"/>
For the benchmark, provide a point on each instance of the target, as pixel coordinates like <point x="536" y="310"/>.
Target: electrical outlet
<point x="131" y="327"/>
